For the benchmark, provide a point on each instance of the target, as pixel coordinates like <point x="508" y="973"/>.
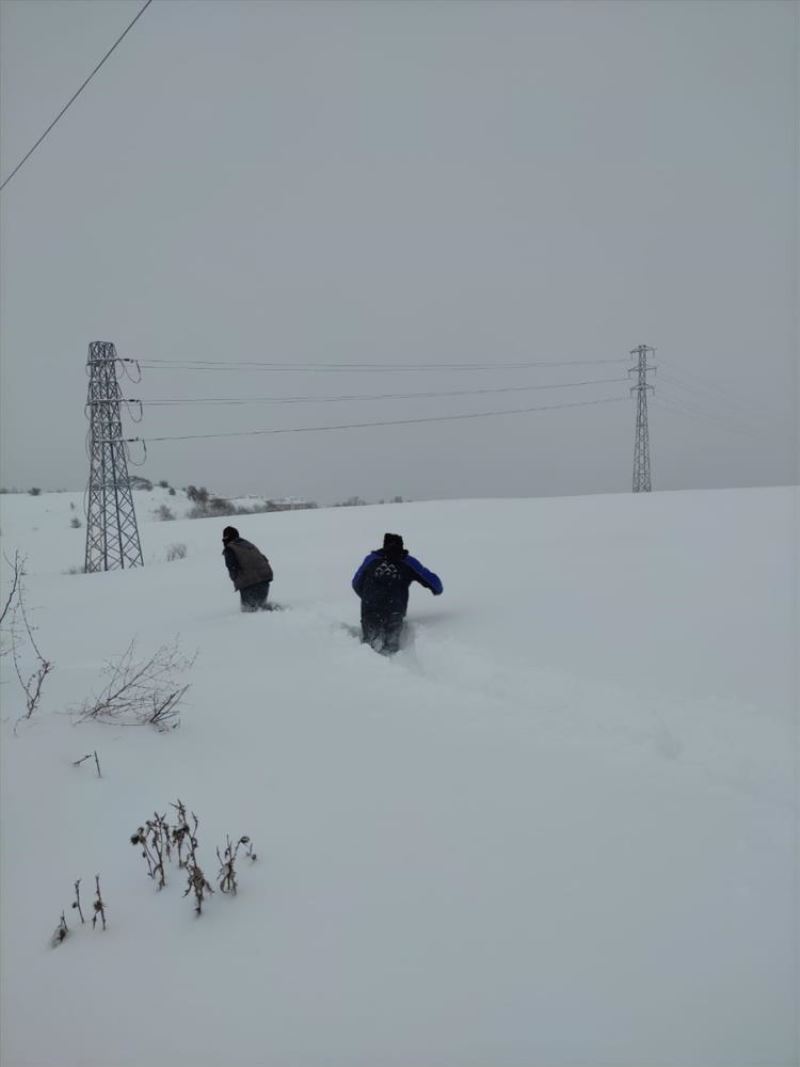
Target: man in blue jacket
<point x="382" y="583"/>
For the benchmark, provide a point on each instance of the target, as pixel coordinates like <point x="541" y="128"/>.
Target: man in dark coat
<point x="382" y="583"/>
<point x="249" y="570"/>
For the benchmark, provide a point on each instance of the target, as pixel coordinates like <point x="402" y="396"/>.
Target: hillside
<point x="557" y="829"/>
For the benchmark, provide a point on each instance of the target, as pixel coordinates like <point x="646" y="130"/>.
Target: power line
<point x="388" y="422"/>
<point x="705" y="395"/>
<point x="75" y="95"/>
<point x="180" y="401"/>
<point x="220" y="365"/>
<point x="669" y="404"/>
<point x="728" y="422"/>
<point x="723" y="392"/>
<point x="701" y="406"/>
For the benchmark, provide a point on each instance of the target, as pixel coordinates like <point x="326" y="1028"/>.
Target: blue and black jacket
<point x="383" y="579"/>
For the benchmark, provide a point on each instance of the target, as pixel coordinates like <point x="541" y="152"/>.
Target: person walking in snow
<point x="249" y="570"/>
<point x="382" y="583"/>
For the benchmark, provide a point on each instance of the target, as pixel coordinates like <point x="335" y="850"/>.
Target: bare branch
<point x="141" y="838"/>
<point x="226" y="876"/>
<point x="32" y="686"/>
<point x="141" y="692"/>
<point x="15" y="604"/>
<point x="17" y="566"/>
<point x="158" y="834"/>
<point x="99" y="904"/>
<point x="77" y="901"/>
<point x="181" y="833"/>
<point x="60" y="933"/>
<point x="197" y="885"/>
<point x="21" y="608"/>
<point x="197" y="882"/>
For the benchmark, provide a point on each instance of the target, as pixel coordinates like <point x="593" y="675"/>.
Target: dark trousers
<point x="254" y="597"/>
<point x="381" y="626"/>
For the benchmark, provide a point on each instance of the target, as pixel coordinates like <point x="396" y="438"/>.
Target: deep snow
<point x="559" y="828"/>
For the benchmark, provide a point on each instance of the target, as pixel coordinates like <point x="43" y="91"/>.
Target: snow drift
<point x="558" y="828"/>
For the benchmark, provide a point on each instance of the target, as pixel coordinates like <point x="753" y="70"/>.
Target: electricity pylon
<point x="112" y="535"/>
<point x="641" y="448"/>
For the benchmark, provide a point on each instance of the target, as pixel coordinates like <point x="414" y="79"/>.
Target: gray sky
<point x="406" y="182"/>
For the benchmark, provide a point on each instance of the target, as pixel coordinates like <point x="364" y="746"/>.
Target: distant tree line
<point x="208" y="505"/>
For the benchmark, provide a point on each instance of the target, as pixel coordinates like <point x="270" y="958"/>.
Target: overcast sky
<point x="397" y="182"/>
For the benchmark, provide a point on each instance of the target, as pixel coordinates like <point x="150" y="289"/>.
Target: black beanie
<point x="230" y="533"/>
<point x="393" y="544"/>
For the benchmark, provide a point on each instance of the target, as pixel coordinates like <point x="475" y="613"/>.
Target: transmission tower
<point x="641" y="449"/>
<point x="112" y="536"/>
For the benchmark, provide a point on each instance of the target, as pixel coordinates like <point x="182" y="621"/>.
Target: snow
<point x="558" y="828"/>
<point x="43" y="523"/>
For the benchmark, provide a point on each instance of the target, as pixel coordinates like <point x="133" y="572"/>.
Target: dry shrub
<point x="142" y="692"/>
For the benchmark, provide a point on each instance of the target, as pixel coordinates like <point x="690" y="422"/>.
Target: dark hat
<point x="230" y="533"/>
<point x="393" y="544"/>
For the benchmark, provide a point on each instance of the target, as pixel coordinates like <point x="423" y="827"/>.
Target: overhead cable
<point x="727" y="422"/>
<point x="220" y="365"/>
<point x="706" y="395"/>
<point x="388" y="422"/>
<point x="75" y="95"/>
<point x="702" y="408"/>
<point x="721" y="390"/>
<point x="180" y="401"/>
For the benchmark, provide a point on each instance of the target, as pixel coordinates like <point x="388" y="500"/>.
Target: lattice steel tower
<point x="112" y="536"/>
<point x="641" y="449"/>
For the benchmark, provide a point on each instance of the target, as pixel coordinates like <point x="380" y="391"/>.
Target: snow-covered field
<point x="558" y="828"/>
